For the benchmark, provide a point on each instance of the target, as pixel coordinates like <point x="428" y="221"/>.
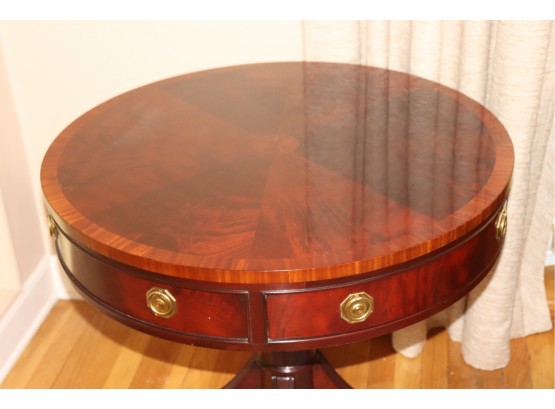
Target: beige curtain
<point x="508" y="67"/>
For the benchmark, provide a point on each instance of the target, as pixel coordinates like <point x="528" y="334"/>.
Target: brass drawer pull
<point x="357" y="307"/>
<point x="501" y="224"/>
<point x="161" y="302"/>
<point x="52" y="229"/>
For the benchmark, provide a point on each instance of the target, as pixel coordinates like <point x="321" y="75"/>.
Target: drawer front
<point x="198" y="313"/>
<point x="397" y="298"/>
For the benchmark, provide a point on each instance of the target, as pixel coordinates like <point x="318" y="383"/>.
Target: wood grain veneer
<point x="260" y="197"/>
<point x="278" y="173"/>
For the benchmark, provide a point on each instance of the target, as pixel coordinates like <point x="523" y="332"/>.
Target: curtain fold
<point x="507" y="66"/>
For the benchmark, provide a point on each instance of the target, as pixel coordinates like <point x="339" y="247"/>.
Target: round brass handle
<point x="357" y="307"/>
<point x="501" y="224"/>
<point x="52" y="229"/>
<point x="161" y="302"/>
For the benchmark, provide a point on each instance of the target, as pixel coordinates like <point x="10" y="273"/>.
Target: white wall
<point x="59" y="70"/>
<point x="51" y="72"/>
<point x="16" y="181"/>
<point x="26" y="281"/>
<point x="9" y="277"/>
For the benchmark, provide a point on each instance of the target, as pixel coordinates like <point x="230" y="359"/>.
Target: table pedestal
<point x="288" y="370"/>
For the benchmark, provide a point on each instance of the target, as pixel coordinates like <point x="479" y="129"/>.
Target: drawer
<point x="258" y="318"/>
<point x="399" y="297"/>
<point x="198" y="313"/>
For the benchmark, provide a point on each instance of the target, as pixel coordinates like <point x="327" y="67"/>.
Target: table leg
<point x="287" y="370"/>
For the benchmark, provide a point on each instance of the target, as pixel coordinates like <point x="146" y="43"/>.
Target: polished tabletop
<point x="278" y="172"/>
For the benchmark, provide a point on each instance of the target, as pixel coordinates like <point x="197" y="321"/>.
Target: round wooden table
<point x="279" y="208"/>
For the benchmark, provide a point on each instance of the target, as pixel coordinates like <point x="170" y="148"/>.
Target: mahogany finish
<point x="295" y="370"/>
<point x="260" y="196"/>
<point x="276" y="317"/>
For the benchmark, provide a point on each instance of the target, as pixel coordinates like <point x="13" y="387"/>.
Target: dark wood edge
<point x="243" y="288"/>
<point x="254" y="344"/>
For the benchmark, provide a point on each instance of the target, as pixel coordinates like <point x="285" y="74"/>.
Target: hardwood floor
<point x="78" y="347"/>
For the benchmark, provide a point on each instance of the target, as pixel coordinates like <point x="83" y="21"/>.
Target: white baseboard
<point x="25" y="315"/>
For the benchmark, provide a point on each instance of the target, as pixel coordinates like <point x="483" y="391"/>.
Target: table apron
<point x="285" y="319"/>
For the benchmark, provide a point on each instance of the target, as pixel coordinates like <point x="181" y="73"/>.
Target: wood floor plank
<point x="212" y="368"/>
<point x="381" y="371"/>
<point x="129" y="357"/>
<point x="92" y="358"/>
<point x="408" y="372"/>
<point x="181" y="366"/>
<point x="37" y="348"/>
<point x="517" y="374"/>
<point x="460" y="375"/>
<point x="200" y="373"/>
<point x="156" y="365"/>
<point x="78" y="320"/>
<point x="540" y="348"/>
<point x="351" y="362"/>
<point x="228" y="364"/>
<point x="490" y="379"/>
<point x="434" y="360"/>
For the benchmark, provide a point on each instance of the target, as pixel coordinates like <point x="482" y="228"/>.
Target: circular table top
<point x="278" y="172"/>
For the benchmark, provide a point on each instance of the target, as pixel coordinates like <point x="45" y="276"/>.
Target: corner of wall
<point x="25" y="314"/>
